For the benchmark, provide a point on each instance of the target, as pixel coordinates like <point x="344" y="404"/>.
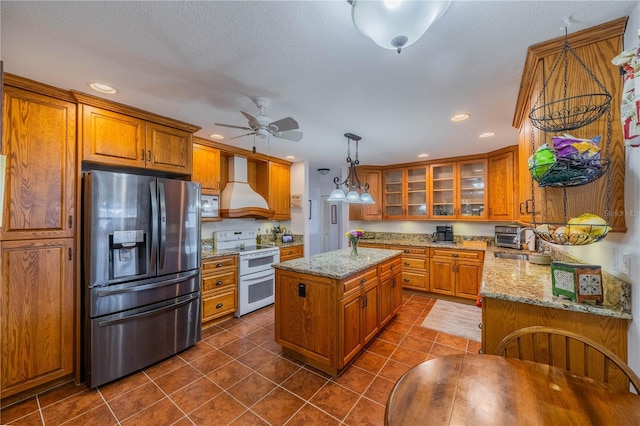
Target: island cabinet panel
<point x="306" y="320"/>
<point x="327" y="322"/>
<point x="501" y="317"/>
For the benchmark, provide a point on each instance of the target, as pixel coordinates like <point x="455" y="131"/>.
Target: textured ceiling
<point x="203" y="62"/>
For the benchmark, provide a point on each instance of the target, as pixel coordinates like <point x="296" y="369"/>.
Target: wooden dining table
<point x="470" y="389"/>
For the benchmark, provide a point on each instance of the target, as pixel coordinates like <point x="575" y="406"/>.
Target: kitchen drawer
<point x="415" y="280"/>
<point x="412" y="251"/>
<point x="360" y="280"/>
<point x="219" y="262"/>
<point x="291" y="252"/>
<point x="219" y="280"/>
<point x="371" y="245"/>
<point x="219" y="304"/>
<point x="458" y="254"/>
<point x="390" y="267"/>
<point x="415" y="263"/>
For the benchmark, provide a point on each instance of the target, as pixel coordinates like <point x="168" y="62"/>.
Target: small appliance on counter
<point x="508" y="236"/>
<point x="444" y="234"/>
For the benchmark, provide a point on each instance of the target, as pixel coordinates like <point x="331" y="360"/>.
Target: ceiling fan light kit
<point x="396" y="24"/>
<point x="354" y="191"/>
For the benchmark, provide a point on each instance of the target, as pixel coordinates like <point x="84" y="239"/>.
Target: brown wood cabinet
<point x="291" y="252"/>
<point x="458" y="190"/>
<point x="307" y="326"/>
<point x="373" y="177"/>
<point x="415" y="267"/>
<point x="501" y="317"/>
<point x="117" y="139"/>
<point x="405" y="193"/>
<point x="456" y="272"/>
<point x="38" y="242"/>
<point x="219" y="289"/>
<point x="279" y="199"/>
<point x="503" y="184"/>
<point x="595" y="47"/>
<point x="206" y="168"/>
<point x="39" y="142"/>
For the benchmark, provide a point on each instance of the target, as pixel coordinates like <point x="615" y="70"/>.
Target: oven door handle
<point x="259" y="256"/>
<point x="143" y="287"/>
<point x="171" y="307"/>
<point x="258" y="275"/>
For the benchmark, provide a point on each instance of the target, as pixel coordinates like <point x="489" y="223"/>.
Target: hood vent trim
<point x="238" y="199"/>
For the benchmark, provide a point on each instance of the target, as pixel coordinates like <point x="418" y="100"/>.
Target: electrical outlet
<point x="614" y="256"/>
<point x="626" y="263"/>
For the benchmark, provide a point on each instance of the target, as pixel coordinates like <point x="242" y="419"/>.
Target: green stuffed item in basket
<point x="541" y="161"/>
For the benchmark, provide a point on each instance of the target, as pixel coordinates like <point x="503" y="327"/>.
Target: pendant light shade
<point x="396" y="24"/>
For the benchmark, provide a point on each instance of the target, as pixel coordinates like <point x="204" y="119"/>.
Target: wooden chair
<point x="570" y="351"/>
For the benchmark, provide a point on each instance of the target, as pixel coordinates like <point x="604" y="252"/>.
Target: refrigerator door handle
<point x="143" y="287"/>
<point x="173" y="306"/>
<point x="163" y="224"/>
<point x="154" y="226"/>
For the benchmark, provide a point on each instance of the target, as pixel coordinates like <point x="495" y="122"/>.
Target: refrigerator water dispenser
<point x="127" y="253"/>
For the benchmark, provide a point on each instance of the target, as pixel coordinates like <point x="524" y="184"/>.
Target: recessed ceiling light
<point x="103" y="88"/>
<point x="423" y="155"/>
<point x="460" y="117"/>
<point x="290" y="157"/>
<point x="216" y="136"/>
<point x="486" y="135"/>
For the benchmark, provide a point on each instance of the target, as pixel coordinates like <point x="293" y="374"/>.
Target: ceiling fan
<point x="264" y="127"/>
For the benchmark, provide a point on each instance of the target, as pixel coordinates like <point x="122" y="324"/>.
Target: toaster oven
<point x="508" y="236"/>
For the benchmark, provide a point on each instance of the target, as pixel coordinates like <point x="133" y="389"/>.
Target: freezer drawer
<point x="122" y="343"/>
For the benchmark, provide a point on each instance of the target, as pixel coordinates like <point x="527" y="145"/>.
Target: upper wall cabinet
<point x="458" y="190"/>
<point x="206" y="168"/>
<point x="39" y="141"/>
<point x="117" y="135"/>
<point x="373" y="178"/>
<point x="503" y="183"/>
<point x="279" y="199"/>
<point x="405" y="193"/>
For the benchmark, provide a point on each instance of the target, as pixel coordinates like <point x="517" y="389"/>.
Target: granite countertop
<point x="416" y="243"/>
<point x="524" y="282"/>
<point x="337" y="264"/>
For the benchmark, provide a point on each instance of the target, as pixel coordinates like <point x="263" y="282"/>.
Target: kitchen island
<point x="329" y="306"/>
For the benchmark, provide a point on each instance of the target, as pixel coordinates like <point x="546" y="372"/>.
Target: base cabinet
<point x="327" y="322"/>
<point x="36" y="313"/>
<point x="456" y="272"/>
<point x="291" y="252"/>
<point x="415" y="267"/>
<point x="219" y="289"/>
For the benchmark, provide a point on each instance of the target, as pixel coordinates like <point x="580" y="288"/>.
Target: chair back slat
<point x="571" y="351"/>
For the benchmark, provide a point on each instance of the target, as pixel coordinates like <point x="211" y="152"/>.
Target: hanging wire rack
<point x="562" y="115"/>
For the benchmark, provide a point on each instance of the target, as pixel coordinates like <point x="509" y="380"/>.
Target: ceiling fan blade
<point x="246" y="134"/>
<point x="232" y="126"/>
<point x="291" y="135"/>
<point x="283" y="125"/>
<point x="253" y="122"/>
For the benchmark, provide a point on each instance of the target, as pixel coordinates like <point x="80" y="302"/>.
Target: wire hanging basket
<point x="563" y="169"/>
<point x="569" y="112"/>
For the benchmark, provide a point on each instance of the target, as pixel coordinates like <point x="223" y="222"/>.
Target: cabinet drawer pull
<point x="219" y="282"/>
<point x="407" y="251"/>
<point x="363" y="280"/>
<point x="290" y="252"/>
<point x="150" y="157"/>
<point x="219" y="305"/>
<point x="406" y="263"/>
<point x="219" y="265"/>
<point x="454" y="254"/>
<point x="406" y="280"/>
<point x="392" y="266"/>
<point x="480" y="325"/>
<point x="393" y="282"/>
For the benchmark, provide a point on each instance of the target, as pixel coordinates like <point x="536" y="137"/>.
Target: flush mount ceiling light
<point x="353" y="189"/>
<point x="324" y="171"/>
<point x="103" y="88"/>
<point x="290" y="157"/>
<point x="460" y="117"/>
<point x="486" y="135"/>
<point x="396" y="24"/>
<point x="423" y="155"/>
<point x="216" y="136"/>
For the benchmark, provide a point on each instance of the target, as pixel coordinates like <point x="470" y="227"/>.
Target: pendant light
<point x="396" y="24"/>
<point x="353" y="192"/>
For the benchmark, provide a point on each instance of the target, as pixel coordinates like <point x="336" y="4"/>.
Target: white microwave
<point x="208" y="206"/>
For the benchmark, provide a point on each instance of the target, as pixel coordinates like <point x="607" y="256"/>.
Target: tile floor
<point x="237" y="375"/>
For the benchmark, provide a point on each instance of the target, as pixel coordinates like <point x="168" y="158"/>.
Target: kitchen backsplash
<point x="423" y="237"/>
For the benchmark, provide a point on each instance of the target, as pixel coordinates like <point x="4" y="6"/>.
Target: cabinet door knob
<point x="219" y="305"/>
<point x="363" y="280"/>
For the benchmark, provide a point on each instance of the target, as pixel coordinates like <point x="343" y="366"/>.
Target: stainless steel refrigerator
<point x="141" y="272"/>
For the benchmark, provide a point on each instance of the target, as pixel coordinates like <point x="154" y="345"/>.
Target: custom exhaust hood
<point x="238" y="199"/>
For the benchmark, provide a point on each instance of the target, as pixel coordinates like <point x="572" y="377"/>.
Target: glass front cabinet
<point x="405" y="193"/>
<point x="458" y="190"/>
